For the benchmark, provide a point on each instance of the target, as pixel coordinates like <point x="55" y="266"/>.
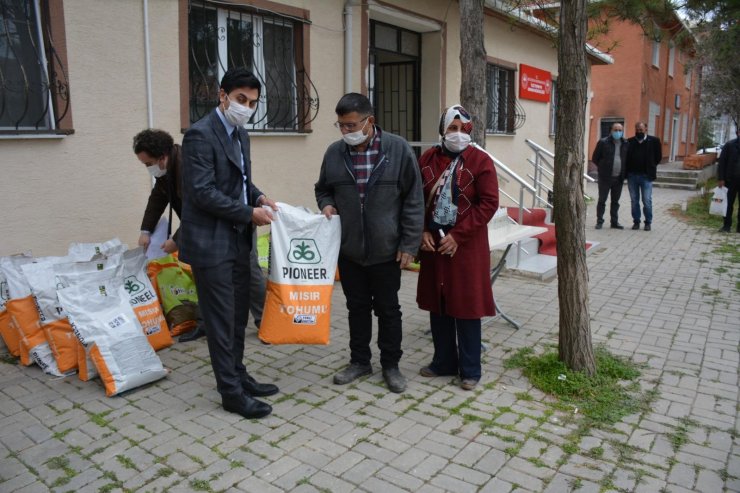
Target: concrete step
<point x="675" y="186"/>
<point x="678" y="179"/>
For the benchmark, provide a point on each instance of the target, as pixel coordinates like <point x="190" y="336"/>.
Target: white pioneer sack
<point x="86" y="251"/>
<point x="304" y="248"/>
<point x="104" y="321"/>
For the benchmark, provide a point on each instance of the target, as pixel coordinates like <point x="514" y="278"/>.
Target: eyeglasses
<point x="349" y="126"/>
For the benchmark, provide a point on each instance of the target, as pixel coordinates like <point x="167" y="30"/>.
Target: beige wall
<point x="89" y="186"/>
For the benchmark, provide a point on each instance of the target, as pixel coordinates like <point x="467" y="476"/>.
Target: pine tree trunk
<point x="473" y="65"/>
<point x="574" y="347"/>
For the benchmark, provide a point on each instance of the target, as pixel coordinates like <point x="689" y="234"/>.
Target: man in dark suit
<point x="220" y="206"/>
<point x="644" y="153"/>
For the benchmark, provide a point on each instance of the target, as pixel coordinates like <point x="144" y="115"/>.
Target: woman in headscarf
<point x="461" y="193"/>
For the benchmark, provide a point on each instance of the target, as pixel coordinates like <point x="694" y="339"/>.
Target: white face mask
<point x="456" y="141"/>
<point x="238" y="114"/>
<point x="156" y="171"/>
<point x="355" y="138"/>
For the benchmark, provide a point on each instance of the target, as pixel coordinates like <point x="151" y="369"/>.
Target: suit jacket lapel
<point x="225" y="139"/>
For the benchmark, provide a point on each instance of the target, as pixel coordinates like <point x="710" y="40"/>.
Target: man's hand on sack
<point x="169" y="246"/>
<point x="404" y="259"/>
<point x="329" y="211"/>
<point x="260" y="215"/>
<point x="144" y="240"/>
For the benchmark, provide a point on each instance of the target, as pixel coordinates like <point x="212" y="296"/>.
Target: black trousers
<point x="367" y="289"/>
<point x="611" y="186"/>
<point x="733" y="193"/>
<point x="223" y="298"/>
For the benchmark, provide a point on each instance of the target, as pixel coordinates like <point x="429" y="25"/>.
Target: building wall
<point x="628" y="87"/>
<point x="88" y="186"/>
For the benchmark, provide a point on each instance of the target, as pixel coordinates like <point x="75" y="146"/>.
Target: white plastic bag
<point x="304" y="248"/>
<point x="718" y="204"/>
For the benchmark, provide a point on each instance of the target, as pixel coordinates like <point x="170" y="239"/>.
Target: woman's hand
<point x="447" y="245"/>
<point x="427" y="242"/>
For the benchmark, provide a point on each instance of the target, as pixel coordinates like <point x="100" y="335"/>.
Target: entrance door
<point x="395" y="83"/>
<point x="674" y="137"/>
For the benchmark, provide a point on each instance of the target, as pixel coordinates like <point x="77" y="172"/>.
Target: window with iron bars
<point x="504" y="114"/>
<point x="34" y="90"/>
<point x="269" y="45"/>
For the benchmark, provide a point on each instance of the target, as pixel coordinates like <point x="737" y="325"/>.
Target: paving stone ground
<point x="665" y="298"/>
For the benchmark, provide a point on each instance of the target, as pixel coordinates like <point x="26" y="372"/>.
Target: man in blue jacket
<point x="644" y="153"/>
<point x="371" y="179"/>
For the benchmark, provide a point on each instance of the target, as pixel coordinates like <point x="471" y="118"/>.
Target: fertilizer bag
<point x="104" y="321"/>
<point x="86" y="251"/>
<point x="303" y="257"/>
<point x="144" y="299"/>
<point x="173" y="282"/>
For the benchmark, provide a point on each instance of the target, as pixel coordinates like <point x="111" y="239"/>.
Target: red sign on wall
<point x="534" y="83"/>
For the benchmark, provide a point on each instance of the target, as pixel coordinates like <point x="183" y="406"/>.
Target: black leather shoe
<point x="599" y="225"/>
<point x="194" y="334"/>
<point x="647" y="226"/>
<point x="617" y="226"/>
<point x="351" y="373"/>
<point x="724" y="229"/>
<point x="394" y="379"/>
<point x="245" y="406"/>
<point x="256" y="389"/>
<point x="636" y="226"/>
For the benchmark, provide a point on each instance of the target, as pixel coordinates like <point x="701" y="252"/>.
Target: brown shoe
<point x="468" y="384"/>
<point x="427" y="372"/>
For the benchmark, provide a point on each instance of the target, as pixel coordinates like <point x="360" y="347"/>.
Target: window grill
<point x="34" y="89"/>
<point x="269" y="45"/>
<point x="505" y="114"/>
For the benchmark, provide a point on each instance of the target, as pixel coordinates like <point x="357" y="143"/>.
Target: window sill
<point x="512" y="134"/>
<point x="9" y="135"/>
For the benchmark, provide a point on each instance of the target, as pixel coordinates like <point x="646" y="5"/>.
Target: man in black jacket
<point x="644" y="152"/>
<point x="610" y="157"/>
<point x="729" y="176"/>
<point x="371" y="179"/>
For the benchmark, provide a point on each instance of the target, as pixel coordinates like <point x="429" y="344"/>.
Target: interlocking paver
<point x="652" y="299"/>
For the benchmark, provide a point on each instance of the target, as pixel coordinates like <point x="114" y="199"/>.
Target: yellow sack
<point x="304" y="248"/>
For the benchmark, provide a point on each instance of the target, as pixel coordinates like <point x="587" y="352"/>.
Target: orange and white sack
<point x="24" y="322"/>
<point x="104" y="321"/>
<point x="8" y="333"/>
<point x="83" y="252"/>
<point x="144" y="299"/>
<point x="54" y="324"/>
<point x="304" y="248"/>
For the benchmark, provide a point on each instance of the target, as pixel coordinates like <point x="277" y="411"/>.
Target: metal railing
<point x="544" y="170"/>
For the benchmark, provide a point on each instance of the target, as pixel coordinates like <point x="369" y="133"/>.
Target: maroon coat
<point x="463" y="280"/>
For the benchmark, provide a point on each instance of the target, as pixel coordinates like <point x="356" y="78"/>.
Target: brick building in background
<point x="648" y="81"/>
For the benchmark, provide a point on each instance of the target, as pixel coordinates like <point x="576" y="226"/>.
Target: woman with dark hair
<point x="461" y="193"/>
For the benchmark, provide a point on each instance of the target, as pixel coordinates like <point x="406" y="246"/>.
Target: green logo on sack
<point x="132" y="285"/>
<point x="303" y="251"/>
